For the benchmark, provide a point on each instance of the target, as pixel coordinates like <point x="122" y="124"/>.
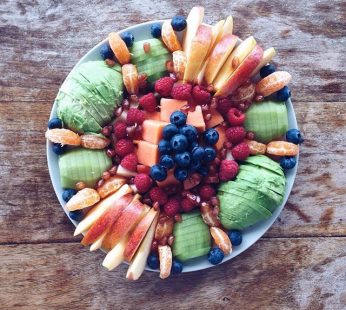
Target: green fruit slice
<point x="265" y="162"/>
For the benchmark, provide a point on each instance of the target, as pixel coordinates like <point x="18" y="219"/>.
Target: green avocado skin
<point x="87" y="98"/>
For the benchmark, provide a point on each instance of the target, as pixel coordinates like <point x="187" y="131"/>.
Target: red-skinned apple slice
<point x="242" y="73"/>
<point x="98" y="243"/>
<point x="218" y="56"/>
<point x="100" y="208"/>
<point x="106" y="220"/>
<point x="268" y="55"/>
<point x="194" y="20"/>
<point x="138" y="234"/>
<point x="199" y="49"/>
<point x="115" y="256"/>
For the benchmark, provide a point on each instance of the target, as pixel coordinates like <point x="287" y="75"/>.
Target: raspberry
<point x="172" y="207"/>
<point x="181" y="91"/>
<point x="235" y="117"/>
<point x="228" y="170"/>
<point x="223" y="105"/>
<point x="159" y="195"/>
<point x="241" y="151"/>
<point x="130" y="162"/>
<point x="236" y="134"/>
<point x="148" y="102"/>
<point x="186" y="205"/>
<point x="120" y="130"/>
<point x="124" y="147"/>
<point x="164" y="86"/>
<point x="200" y="95"/>
<point x="135" y="116"/>
<point x="143" y="182"/>
<point x="206" y="192"/>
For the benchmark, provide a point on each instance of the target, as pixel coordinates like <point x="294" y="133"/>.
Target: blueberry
<point x="68" y="193"/>
<point x="294" y="136"/>
<point x="156" y="30"/>
<point x="179" y="143"/>
<point x="180" y="174"/>
<point x="195" y="164"/>
<point x="169" y="131"/>
<point x="235" y="236"/>
<point x="198" y="153"/>
<point x="128" y="38"/>
<point x="178" y="23"/>
<point x="158" y="173"/>
<point x="203" y="171"/>
<point x="283" y="94"/>
<point x="167" y="161"/>
<point x="288" y="162"/>
<point x="153" y="261"/>
<point x="55" y="123"/>
<point x="58" y="148"/>
<point x="190" y="132"/>
<point x="106" y="51"/>
<point x="182" y="159"/>
<point x="76" y="215"/>
<point x="209" y="154"/>
<point x="177" y="266"/>
<point x="164" y="147"/>
<point x="211" y="136"/>
<point x="193" y="145"/>
<point x="266" y="70"/>
<point x="178" y="118"/>
<point x="215" y="256"/>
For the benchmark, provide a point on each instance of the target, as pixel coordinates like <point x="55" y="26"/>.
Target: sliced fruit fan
<point x="169" y="148"/>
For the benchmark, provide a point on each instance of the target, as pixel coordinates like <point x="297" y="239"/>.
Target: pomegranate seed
<point x="80" y="185"/>
<point x="106" y="131"/>
<point x="118" y="111"/>
<point x="216" y="210"/>
<point x="110" y="153"/>
<point x="106" y="175"/>
<point x="214" y="201"/>
<point x="125" y="104"/>
<point x="110" y="62"/>
<point x="113" y="170"/>
<point x="227" y="145"/>
<point x="250" y="135"/>
<point x="156" y="206"/>
<point x="170" y="240"/>
<point x="133" y="99"/>
<point x="146" y="47"/>
<point x="147" y="201"/>
<point x="217" y="161"/>
<point x="213" y="103"/>
<point x="100" y="183"/>
<point x="223" y="153"/>
<point x="259" y="98"/>
<point x="194" y="199"/>
<point x="211" y="179"/>
<point x="154" y="246"/>
<point x="210" y="88"/>
<point x="170" y="66"/>
<point x="132" y="180"/>
<point x="131" y="131"/>
<point x="173" y="76"/>
<point x="117" y="159"/>
<point x="207" y="117"/>
<point x="163" y="241"/>
<point x="178" y="218"/>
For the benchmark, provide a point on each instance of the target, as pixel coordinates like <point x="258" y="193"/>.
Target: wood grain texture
<point x="299" y="264"/>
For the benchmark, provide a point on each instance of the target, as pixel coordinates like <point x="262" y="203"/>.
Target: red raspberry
<point x="228" y="170"/>
<point x="135" y="116"/>
<point x="143" y="182"/>
<point x="159" y="195"/>
<point x="223" y="105"/>
<point x="241" y="151"/>
<point x="164" y="86"/>
<point x="172" y="207"/>
<point x="130" y="162"/>
<point x="124" y="147"/>
<point x="236" y="134"/>
<point x="181" y="91"/>
<point x="235" y="117"/>
<point x="206" y="192"/>
<point x="186" y="205"/>
<point x="120" y="130"/>
<point x="200" y="95"/>
<point x="148" y="102"/>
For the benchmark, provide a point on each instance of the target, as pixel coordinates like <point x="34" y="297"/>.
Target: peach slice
<point x="83" y="199"/>
<point x="165" y="256"/>
<point x="63" y="136"/>
<point x="111" y="186"/>
<point x="169" y="37"/>
<point x="241" y="74"/>
<point x="130" y="78"/>
<point x="268" y="55"/>
<point x="115" y="256"/>
<point x="119" y="48"/>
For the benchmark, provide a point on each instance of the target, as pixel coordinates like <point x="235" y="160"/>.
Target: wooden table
<point x="300" y="263"/>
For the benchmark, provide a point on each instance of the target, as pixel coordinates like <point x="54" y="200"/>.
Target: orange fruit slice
<point x="84" y="198"/>
<point x="130" y="78"/>
<point x="282" y="148"/>
<point x="110" y="186"/>
<point x="165" y="257"/>
<point x="94" y="142"/>
<point x="63" y="136"/>
<point x="119" y="48"/>
<point x="169" y="37"/>
<point x="272" y="83"/>
<point x="255" y="147"/>
<point x="221" y="240"/>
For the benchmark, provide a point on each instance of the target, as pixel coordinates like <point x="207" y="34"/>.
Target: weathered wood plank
<point x="273" y="274"/>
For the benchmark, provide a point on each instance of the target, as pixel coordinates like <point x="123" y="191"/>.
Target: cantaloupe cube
<point x="216" y="119"/>
<point x="147" y="153"/>
<point x="153" y="115"/>
<point x="143" y="169"/>
<point x="152" y="130"/>
<point x="196" y="119"/>
<point x="168" y="106"/>
<point x="170" y="180"/>
<point x="222" y="137"/>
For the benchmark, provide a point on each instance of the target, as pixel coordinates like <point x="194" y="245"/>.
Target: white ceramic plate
<point x="250" y="235"/>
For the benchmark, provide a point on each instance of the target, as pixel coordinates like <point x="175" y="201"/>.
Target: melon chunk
<point x="170" y="180"/>
<point x="196" y="119"/>
<point x="152" y="130"/>
<point x="216" y="119"/>
<point x="147" y="153"/>
<point x="168" y="106"/>
<point x="143" y="169"/>
<point x="222" y="137"/>
<point x="153" y="115"/>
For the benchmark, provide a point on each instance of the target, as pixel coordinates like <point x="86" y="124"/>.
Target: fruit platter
<point x="173" y="145"/>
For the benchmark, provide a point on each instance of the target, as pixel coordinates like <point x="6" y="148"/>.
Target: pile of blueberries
<point x="181" y="150"/>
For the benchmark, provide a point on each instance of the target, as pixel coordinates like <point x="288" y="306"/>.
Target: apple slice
<point x="106" y="220"/>
<point x="128" y="219"/>
<point x="218" y="56"/>
<point x="227" y="26"/>
<point x="242" y="73"/>
<point x="140" y="260"/>
<point x="116" y="256"/>
<point x="100" y="208"/>
<point x="199" y="49"/>
<point x="194" y="20"/>
<point x="233" y="60"/>
<point x="165" y="256"/>
<point x="125" y="172"/>
<point x="98" y="243"/>
<point x="138" y="234"/>
<point x="268" y="55"/>
<point x="217" y="33"/>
